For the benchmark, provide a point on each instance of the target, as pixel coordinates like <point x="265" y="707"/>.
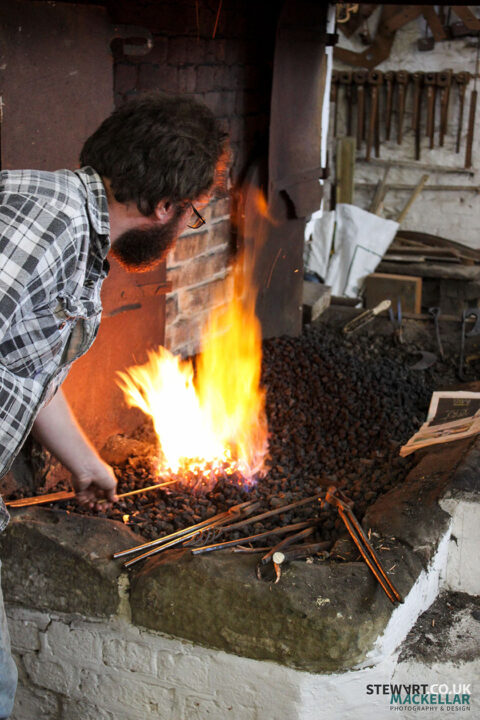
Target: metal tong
<point x="344" y="506"/>
<point x="365" y="317"/>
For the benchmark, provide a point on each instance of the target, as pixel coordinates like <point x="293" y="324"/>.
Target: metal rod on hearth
<point x="251" y="538"/>
<point x="242" y="508"/>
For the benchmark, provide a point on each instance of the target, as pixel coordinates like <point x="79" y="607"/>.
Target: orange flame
<point x="215" y="421"/>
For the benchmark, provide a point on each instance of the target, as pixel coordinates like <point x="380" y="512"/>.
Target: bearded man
<point x="144" y="174"/>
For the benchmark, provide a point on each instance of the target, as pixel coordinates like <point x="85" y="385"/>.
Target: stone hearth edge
<point x="321" y="617"/>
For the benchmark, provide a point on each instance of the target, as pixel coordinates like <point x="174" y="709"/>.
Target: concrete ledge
<point x="57" y="561"/>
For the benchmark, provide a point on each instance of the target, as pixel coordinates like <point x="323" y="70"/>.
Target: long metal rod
<point x="250" y="538"/>
<point x="270" y="513"/>
<point x="69" y="495"/>
<point x="286" y="542"/>
<point x="374" y="566"/>
<point x="176" y="541"/>
<point x="248" y="506"/>
<point x="372" y="553"/>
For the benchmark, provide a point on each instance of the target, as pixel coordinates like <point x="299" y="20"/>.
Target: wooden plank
<point x="316" y="299"/>
<point x="444" y="169"/>
<point x="433" y="270"/>
<point x="437" y="241"/>
<point x="345" y="170"/>
<point x="403" y="288"/>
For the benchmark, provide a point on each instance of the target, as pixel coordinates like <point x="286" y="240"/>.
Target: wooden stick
<point x="418" y="166"/>
<point x="428" y="188"/>
<point x="380" y="192"/>
<point x="412" y="198"/>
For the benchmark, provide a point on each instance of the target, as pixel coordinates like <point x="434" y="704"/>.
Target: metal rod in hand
<point x="70" y="494"/>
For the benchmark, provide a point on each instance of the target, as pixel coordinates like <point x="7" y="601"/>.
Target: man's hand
<point x="93" y="480"/>
<point x="95" y="486"/>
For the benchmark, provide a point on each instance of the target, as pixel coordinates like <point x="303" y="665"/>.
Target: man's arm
<point x="56" y="428"/>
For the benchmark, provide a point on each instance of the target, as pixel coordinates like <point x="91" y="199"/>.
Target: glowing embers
<point x="212" y="423"/>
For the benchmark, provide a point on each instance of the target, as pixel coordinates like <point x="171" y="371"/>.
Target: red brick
<point x="198" y="270"/>
<point x="237" y="129"/>
<point x="235" y="51"/>
<point x="219" y="234"/>
<point x="215" y="101"/>
<point x="185" y="51"/>
<point x="161" y="77"/>
<point x="158" y="54"/>
<point x="185" y="333"/>
<point x="222" y="206"/>
<point x="215" y="50"/>
<point x="125" y="77"/>
<point x="171" y="309"/>
<point x="205" y="78"/>
<point x="187" y="79"/>
<point x="189" y="246"/>
<point x="204" y="297"/>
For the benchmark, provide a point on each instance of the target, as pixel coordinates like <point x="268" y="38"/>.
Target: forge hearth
<point x="338" y="412"/>
<point x="322" y="617"/>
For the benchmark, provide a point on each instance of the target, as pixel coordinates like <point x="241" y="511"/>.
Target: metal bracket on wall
<point x="136" y="40"/>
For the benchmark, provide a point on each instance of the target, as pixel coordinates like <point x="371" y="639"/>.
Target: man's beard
<point x="141" y="249"/>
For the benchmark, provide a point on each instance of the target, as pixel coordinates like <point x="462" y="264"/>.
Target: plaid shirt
<point x="54" y="238"/>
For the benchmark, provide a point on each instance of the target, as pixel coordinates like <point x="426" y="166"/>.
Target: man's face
<point x="142" y="248"/>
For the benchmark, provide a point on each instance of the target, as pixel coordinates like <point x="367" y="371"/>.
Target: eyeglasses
<point x="197" y="219"/>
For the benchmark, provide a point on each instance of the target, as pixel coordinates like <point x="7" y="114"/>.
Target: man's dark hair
<point x="156" y="147"/>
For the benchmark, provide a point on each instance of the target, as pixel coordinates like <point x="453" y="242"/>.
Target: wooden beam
<point x="345" y="170"/>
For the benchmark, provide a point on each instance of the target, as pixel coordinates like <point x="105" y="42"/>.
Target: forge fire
<point x="214" y="424"/>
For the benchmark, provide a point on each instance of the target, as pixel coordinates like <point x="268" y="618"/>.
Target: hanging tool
<point x="344" y="506"/>
<point x="475" y="330"/>
<point x="388" y="77"/>
<point x="365" y="317"/>
<point x="472" y="112"/>
<point x="401" y="78"/>
<point x="427" y="42"/>
<point x="346" y="80"/>
<point x="462" y="79"/>
<point x="375" y="78"/>
<point x="435" y="313"/>
<point x="360" y="78"/>
<point x="429" y="82"/>
<point x="334" y="99"/>
<point x="443" y="81"/>
<point x="417" y="110"/>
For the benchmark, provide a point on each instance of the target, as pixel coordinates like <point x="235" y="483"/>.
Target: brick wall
<point x="74" y="668"/>
<point x="231" y="73"/>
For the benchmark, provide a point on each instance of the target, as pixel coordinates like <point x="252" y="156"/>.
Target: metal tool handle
<point x="384" y="305"/>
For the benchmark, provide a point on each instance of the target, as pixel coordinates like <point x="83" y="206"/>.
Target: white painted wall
<point x="463" y="569"/>
<point x="454" y="215"/>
